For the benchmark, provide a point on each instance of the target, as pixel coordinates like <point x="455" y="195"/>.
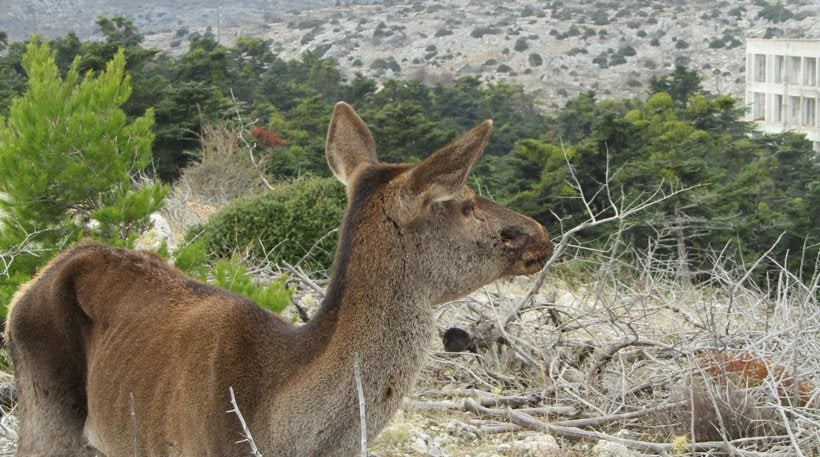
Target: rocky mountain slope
<point x="554" y="49"/>
<point x="20" y="18"/>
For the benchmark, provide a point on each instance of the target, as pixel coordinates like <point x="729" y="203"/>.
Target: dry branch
<point x="245" y="431"/>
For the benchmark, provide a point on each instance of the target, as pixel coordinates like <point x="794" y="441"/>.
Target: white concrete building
<point x="782" y="86"/>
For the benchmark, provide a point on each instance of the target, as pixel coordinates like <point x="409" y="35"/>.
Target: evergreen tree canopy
<point x="68" y="156"/>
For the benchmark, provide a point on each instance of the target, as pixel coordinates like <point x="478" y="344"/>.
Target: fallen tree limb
<point x="527" y="421"/>
<point x="461" y="405"/>
<point x="593" y="421"/>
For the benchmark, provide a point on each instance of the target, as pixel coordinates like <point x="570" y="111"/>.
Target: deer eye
<point x="468" y="209"/>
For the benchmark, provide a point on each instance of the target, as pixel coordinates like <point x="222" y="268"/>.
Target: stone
<point x="537" y="446"/>
<point x="610" y="449"/>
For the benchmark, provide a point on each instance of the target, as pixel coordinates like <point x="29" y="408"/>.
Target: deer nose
<point x="530" y="250"/>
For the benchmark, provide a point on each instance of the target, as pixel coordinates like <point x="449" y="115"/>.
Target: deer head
<point x="452" y="240"/>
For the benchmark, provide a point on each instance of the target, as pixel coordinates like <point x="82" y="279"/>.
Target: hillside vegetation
<point x="554" y="49"/>
<point x="639" y="332"/>
<point x="749" y="187"/>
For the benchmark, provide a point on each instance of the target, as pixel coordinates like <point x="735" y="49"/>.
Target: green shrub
<point x="503" y="68"/>
<point x="521" y="44"/>
<point x="775" y="13"/>
<point x="535" y="59"/>
<point x="292" y="222"/>
<point x="600" y="17"/>
<point x="617" y="59"/>
<point x="231" y="275"/>
<point x="681" y="44"/>
<point x="309" y="24"/>
<point x="382" y="31"/>
<point x="193" y="259"/>
<point x="386" y="64"/>
<point x="481" y="31"/>
<point x="717" y="43"/>
<point x="443" y="32"/>
<point x="737" y="12"/>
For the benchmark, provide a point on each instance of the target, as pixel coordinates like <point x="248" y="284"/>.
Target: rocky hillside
<point x="20" y="18"/>
<point x="554" y="49"/>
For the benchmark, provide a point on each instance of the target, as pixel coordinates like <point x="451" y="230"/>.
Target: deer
<point x="117" y="353"/>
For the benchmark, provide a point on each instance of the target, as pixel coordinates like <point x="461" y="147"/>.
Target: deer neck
<point x="372" y="309"/>
<point x="372" y="312"/>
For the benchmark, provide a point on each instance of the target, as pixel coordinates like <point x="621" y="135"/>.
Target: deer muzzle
<point x="529" y="251"/>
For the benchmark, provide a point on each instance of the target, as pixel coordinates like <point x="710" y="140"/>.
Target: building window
<point x="760" y="68"/>
<point x="809" y="108"/>
<point x="793" y="70"/>
<point x="779" y="69"/>
<point x="810" y="71"/>
<point x="793" y="109"/>
<point x="777" y="109"/>
<point x="759" y="108"/>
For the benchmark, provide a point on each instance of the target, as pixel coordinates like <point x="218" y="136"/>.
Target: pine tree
<point x="68" y="155"/>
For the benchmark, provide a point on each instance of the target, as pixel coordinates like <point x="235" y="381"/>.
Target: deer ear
<point x="349" y="142"/>
<point x="444" y="173"/>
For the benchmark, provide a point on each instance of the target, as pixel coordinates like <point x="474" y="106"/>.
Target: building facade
<point x="782" y="86"/>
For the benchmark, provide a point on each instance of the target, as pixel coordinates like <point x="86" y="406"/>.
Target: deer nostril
<point x="513" y="238"/>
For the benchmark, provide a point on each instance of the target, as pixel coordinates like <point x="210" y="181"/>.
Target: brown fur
<point x="105" y="332"/>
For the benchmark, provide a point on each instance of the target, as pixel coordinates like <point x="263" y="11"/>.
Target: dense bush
<point x="535" y="59"/>
<point x="775" y="13"/>
<point x="717" y="43"/>
<point x="617" y="59"/>
<point x="292" y="222"/>
<point x="521" y="44"/>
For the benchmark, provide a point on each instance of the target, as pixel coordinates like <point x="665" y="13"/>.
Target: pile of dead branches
<point x="634" y="356"/>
